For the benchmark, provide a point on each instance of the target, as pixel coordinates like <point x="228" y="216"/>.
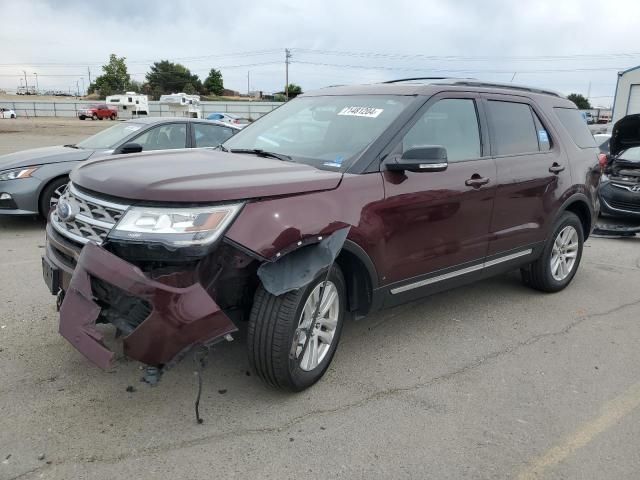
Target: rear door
<point x="532" y="173"/>
<point x="437" y="223"/>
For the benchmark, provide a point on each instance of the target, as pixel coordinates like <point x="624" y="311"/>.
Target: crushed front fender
<point x="180" y="318"/>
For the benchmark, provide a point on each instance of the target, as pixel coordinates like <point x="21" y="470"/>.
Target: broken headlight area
<point x="161" y="309"/>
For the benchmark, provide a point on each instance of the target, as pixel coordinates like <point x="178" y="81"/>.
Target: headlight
<point x="175" y="226"/>
<point x="19" y="173"/>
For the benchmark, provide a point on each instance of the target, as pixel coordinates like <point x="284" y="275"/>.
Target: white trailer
<point x="130" y="105"/>
<point x="182" y="105"/>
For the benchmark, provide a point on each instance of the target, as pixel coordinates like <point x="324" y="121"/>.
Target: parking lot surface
<point x="492" y="380"/>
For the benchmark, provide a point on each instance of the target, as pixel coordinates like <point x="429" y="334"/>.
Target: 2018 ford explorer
<point x="343" y="201"/>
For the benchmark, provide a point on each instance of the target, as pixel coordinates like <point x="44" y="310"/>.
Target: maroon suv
<point x="343" y="201"/>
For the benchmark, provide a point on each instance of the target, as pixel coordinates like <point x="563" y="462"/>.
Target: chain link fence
<point x="251" y="110"/>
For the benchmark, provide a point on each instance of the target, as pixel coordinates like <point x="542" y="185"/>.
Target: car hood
<point x="199" y="176"/>
<point x="625" y="134"/>
<point x="41" y="156"/>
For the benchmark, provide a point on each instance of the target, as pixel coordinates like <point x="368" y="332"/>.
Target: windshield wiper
<point x="221" y="147"/>
<point x="262" y="153"/>
<point x="71" y="145"/>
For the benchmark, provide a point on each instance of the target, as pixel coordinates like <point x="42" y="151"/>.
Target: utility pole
<point x="26" y="84"/>
<point x="589" y="91"/>
<point x="287" y="56"/>
<point x="248" y="83"/>
<point x="82" y="85"/>
<point x="77" y="88"/>
<point x="89" y="72"/>
<point x="37" y="86"/>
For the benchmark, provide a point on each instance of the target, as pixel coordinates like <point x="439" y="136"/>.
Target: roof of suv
<point x="431" y="85"/>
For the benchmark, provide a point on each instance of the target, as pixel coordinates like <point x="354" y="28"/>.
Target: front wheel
<point x="51" y="195"/>
<point x="94" y="117"/>
<point x="112" y="118"/>
<point x="274" y="322"/>
<point x="560" y="258"/>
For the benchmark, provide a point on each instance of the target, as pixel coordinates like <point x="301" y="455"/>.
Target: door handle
<point x="556" y="168"/>
<point x="476" y="181"/>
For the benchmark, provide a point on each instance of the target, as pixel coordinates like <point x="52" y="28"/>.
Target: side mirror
<point x="431" y="158"/>
<point x="131" y="148"/>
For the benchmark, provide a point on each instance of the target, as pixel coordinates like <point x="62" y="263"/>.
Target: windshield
<point x="110" y="137"/>
<point x="326" y="132"/>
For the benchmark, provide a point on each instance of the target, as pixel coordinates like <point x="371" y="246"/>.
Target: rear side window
<point x="514" y="130"/>
<point x="572" y="120"/>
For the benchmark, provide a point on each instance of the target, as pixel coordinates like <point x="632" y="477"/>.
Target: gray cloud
<point x="85" y="32"/>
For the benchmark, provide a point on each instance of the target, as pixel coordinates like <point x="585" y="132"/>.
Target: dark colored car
<point x="620" y="185"/>
<point x="32" y="181"/>
<point x="386" y="193"/>
<point x="98" y="112"/>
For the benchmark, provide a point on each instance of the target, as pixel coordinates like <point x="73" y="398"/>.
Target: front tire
<point x="560" y="259"/>
<point x="273" y="324"/>
<point x="51" y="194"/>
<point x="94" y="117"/>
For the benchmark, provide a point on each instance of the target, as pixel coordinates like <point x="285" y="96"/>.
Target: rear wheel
<point x="94" y="117"/>
<point x="560" y="258"/>
<point x="13" y="115"/>
<point x="51" y="195"/>
<point x="82" y="117"/>
<point x="272" y="331"/>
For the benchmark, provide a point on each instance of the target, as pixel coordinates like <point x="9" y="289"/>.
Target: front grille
<point x="622" y="205"/>
<point x="91" y="219"/>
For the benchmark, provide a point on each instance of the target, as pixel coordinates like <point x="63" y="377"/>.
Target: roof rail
<point x="399" y="80"/>
<point x="471" y="82"/>
<point x="507" y="86"/>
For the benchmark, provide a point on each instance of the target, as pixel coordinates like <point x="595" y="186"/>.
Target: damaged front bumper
<point x="178" y="318"/>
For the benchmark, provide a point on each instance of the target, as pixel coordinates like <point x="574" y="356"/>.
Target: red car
<point x="341" y="202"/>
<point x="98" y="112"/>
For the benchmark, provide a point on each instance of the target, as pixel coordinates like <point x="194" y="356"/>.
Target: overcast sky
<point x="562" y="44"/>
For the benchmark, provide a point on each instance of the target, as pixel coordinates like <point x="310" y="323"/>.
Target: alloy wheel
<point x="564" y="253"/>
<point x="325" y="327"/>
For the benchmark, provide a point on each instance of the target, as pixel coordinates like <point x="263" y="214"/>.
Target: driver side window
<point x="163" y="137"/>
<point x="451" y="123"/>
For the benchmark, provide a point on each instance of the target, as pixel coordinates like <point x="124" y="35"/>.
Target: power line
<point x="139" y="62"/>
<point x="403" y="56"/>
<point x="437" y="70"/>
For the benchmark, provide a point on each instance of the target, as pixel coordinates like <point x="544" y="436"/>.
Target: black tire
<point x="112" y="118"/>
<point x="44" y="203"/>
<point x="538" y="274"/>
<point x="272" y="325"/>
<point x="94" y="117"/>
<point x="82" y="117"/>
<point x="13" y="116"/>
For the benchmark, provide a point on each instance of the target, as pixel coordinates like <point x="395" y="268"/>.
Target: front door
<point x="437" y="223"/>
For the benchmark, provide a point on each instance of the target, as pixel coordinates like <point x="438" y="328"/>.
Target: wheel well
<point x="583" y="213"/>
<point x="44" y="187"/>
<point x="356" y="276"/>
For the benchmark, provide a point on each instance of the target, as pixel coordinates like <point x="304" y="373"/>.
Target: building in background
<point x="627" y="97"/>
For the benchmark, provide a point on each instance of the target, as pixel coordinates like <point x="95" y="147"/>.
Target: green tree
<point x="581" y="101"/>
<point x="213" y="83"/>
<point x="115" y="78"/>
<point x="167" y="77"/>
<point x="294" y="90"/>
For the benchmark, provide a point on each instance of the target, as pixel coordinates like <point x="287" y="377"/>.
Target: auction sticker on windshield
<point x="132" y="128"/>
<point x="361" y="111"/>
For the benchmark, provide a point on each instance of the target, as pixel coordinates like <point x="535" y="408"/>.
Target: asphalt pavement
<point x="488" y="381"/>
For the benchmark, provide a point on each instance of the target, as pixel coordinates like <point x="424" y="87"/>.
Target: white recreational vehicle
<point x="182" y="105"/>
<point x="130" y="105"/>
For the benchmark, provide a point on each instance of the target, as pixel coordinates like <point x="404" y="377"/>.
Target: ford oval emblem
<point x="65" y="211"/>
